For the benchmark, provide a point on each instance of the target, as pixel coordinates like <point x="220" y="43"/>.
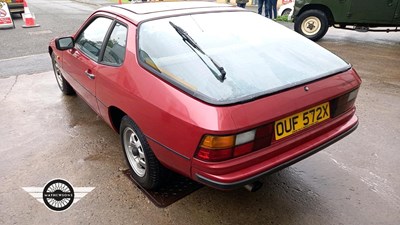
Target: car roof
<point x="138" y="12"/>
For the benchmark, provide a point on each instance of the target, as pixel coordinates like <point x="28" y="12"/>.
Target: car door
<point x="373" y="11"/>
<point x="81" y="62"/>
<point x="111" y="72"/>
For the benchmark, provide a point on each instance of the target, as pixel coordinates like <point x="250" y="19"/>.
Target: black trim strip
<point x="169" y="149"/>
<point x="228" y="186"/>
<point x="107" y="38"/>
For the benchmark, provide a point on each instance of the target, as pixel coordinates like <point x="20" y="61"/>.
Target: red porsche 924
<point x="206" y="90"/>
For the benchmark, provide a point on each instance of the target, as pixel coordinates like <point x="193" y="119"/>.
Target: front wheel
<point x="312" y="24"/>
<point x="63" y="84"/>
<point x="146" y="169"/>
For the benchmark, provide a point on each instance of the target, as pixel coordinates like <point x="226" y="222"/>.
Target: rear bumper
<point x="256" y="171"/>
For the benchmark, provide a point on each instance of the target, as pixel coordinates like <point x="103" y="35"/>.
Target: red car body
<point x="175" y="123"/>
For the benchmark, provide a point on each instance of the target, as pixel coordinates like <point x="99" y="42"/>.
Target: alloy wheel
<point x="134" y="151"/>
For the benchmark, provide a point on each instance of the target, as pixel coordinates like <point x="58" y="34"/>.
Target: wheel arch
<point x="323" y="8"/>
<point x="115" y="115"/>
<point x="50" y="50"/>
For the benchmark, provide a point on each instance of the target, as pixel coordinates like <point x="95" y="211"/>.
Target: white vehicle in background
<point x="286" y="9"/>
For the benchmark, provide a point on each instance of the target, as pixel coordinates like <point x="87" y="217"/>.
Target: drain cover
<point x="176" y="188"/>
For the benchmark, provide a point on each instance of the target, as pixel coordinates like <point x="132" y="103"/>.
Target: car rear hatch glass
<point x="259" y="56"/>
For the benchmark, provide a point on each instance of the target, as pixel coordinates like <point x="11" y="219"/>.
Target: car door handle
<point x="90" y="75"/>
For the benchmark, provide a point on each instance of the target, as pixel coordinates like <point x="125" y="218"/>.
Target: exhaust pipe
<point x="253" y="187"/>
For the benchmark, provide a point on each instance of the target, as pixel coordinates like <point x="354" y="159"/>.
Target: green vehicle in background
<point x="312" y="18"/>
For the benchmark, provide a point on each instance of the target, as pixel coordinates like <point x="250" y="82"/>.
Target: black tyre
<point x="286" y="12"/>
<point x="64" y="86"/>
<point x="312" y="24"/>
<point x="145" y="167"/>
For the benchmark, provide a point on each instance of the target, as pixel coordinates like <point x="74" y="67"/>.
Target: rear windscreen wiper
<point x="194" y="46"/>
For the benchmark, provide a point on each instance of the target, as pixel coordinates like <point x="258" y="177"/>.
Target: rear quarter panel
<point x="164" y="114"/>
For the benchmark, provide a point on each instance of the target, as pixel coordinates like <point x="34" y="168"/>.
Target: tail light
<point x="343" y="103"/>
<point x="215" y="148"/>
<point x="19" y="1"/>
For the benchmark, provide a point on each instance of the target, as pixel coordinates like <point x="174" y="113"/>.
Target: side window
<point x="91" y="39"/>
<point x="114" y="53"/>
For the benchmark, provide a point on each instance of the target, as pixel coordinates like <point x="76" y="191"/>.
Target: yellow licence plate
<point x="302" y="120"/>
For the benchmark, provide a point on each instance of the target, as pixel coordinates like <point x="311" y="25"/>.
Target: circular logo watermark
<point x="58" y="195"/>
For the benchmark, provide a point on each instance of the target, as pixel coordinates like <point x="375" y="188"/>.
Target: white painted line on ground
<point x="374" y="182"/>
<point x="23" y="57"/>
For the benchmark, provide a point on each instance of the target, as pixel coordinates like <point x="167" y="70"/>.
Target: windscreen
<point x="259" y="56"/>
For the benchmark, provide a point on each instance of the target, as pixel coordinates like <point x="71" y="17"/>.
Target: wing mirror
<point x="64" y="43"/>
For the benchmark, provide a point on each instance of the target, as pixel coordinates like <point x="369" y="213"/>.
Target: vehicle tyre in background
<point x="145" y="167"/>
<point x="286" y="12"/>
<point x="64" y="86"/>
<point x="312" y="24"/>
